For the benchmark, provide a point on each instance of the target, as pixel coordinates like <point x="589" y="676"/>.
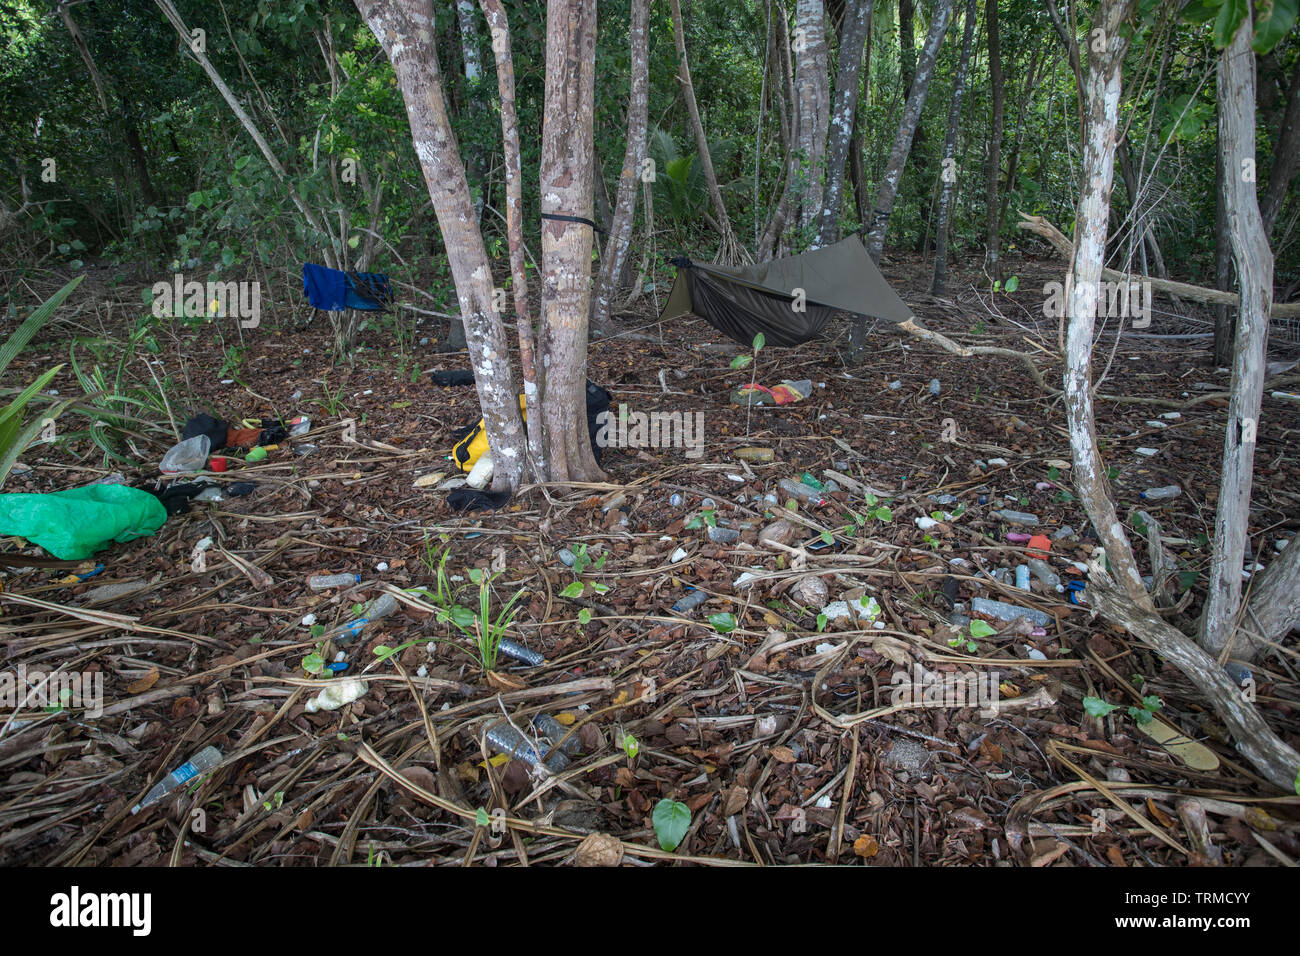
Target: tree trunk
<point x="1273" y="609"/>
<point x="906" y="45"/>
<point x="620" y="233"/>
<point x="993" y="169"/>
<point x="1255" y="276"/>
<point x="848" y="73"/>
<point x="729" y="249"/>
<point x="567" y="181"/>
<point x="1286" y="155"/>
<point x="1013" y="161"/>
<point x="1141" y="227"/>
<point x="888" y="190"/>
<point x="948" y="172"/>
<point x="473" y="63"/>
<point x="812" y="108"/>
<point x="1225" y="316"/>
<point x="404" y="29"/>
<point x="857" y="172"/>
<point x="499" y="28"/>
<point x="1127" y="604"/>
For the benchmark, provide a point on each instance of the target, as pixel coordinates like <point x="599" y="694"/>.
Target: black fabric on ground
<point x="453" y="377"/>
<point x="470" y="499"/>
<point x="205" y="424"/>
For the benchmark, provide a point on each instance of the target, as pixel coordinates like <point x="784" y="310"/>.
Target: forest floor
<point x="779" y="735"/>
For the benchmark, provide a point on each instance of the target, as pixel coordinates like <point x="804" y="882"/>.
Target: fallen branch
<point x="1041" y="227"/>
<point x="917" y="330"/>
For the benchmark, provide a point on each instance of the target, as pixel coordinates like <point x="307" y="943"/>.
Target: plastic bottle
<point x="757" y="455"/>
<point x="554" y="731"/>
<point x="380" y="607"/>
<point x="189" y="455"/>
<point x="211" y="493"/>
<point x="934" y="386"/>
<point x="690" y="602"/>
<point x="1016" y="517"/>
<point x="1160" y="494"/>
<point x="1043" y="571"/>
<point x="801" y="491"/>
<point x="1022" y="577"/>
<point x="520" y="653"/>
<point x="1008" y="612"/>
<point x="204" y="760"/>
<point x="505" y="739"/>
<point x="323" y="582"/>
<point x="722" y="535"/>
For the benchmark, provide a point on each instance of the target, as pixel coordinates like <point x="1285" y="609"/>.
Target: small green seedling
<point x="671" y="821"/>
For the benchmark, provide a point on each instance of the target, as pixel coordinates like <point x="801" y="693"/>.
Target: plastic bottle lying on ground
<point x="801" y="491"/>
<point x="204" y="760"/>
<point x="323" y="582"/>
<point x="380" y="607"/>
<point x="1160" y="494"/>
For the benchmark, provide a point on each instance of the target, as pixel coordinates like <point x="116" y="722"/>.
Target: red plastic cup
<point x="217" y="463"/>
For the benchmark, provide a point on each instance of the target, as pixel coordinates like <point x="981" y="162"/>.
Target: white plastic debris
<point x="337" y="694"/>
<point x="308" y="620"/>
<point x="381" y="566"/>
<point x="678" y="555"/>
<point x="1146" y="452"/>
<point x="925" y="523"/>
<point x="481" y="474"/>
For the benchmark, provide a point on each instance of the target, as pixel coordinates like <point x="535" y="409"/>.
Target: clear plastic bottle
<point x="323" y="582"/>
<point x="1160" y="494"/>
<point x="505" y="739"/>
<point x="1017" y="517"/>
<point x="380" y="607"/>
<point x="204" y="760"/>
<point x="801" y="491"/>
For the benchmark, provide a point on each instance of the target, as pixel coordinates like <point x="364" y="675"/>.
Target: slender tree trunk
<point x="889" y="182"/>
<point x="906" y="45"/>
<point x="993" y="171"/>
<point x="620" y="233"/>
<point x="1255" y="276"/>
<point x="567" y="181"/>
<point x="1286" y="155"/>
<point x="1225" y="316"/>
<point x="1013" y="161"/>
<point x="857" y="172"/>
<point x="729" y="249"/>
<point x="948" y="172"/>
<point x="467" y="20"/>
<point x="812" y="113"/>
<point x="848" y="80"/>
<point x="1141" y="227"/>
<point x="1118" y="593"/>
<point x="405" y="30"/>
<point x="499" y="28"/>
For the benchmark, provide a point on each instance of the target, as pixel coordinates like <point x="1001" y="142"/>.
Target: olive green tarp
<point x="742" y="301"/>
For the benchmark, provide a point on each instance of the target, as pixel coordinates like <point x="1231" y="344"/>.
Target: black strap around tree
<point x="556" y="217"/>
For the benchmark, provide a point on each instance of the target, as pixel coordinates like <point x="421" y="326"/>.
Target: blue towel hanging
<point x="333" y="291"/>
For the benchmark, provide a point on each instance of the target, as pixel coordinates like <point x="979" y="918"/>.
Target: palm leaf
<point x="32" y="324"/>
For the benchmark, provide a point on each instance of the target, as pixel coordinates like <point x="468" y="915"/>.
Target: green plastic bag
<point x="76" y="523"/>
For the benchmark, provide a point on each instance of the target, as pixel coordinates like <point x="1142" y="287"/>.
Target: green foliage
<point x="14" y="437"/>
<point x="671" y="822"/>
